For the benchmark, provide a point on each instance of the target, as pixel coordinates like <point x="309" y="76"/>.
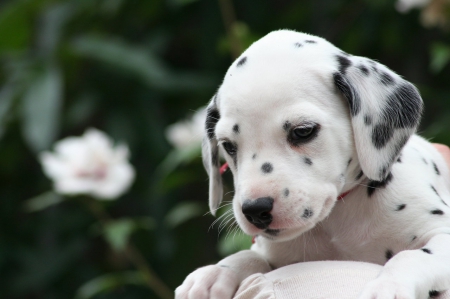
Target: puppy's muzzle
<point x="257" y="211"/>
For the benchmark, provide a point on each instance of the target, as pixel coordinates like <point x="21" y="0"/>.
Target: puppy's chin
<point x="277" y="235"/>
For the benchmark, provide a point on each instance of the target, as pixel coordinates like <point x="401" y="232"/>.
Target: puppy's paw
<point x="210" y="282"/>
<point x="385" y="288"/>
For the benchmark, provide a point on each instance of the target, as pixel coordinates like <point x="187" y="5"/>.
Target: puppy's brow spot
<point x="389" y="254"/>
<point x="286" y="192"/>
<point x="310" y="41"/>
<point x="298" y="45"/>
<point x="307" y="161"/>
<point x="286" y="126"/>
<point x="236" y="128"/>
<point x="242" y="61"/>
<point x="267" y="167"/>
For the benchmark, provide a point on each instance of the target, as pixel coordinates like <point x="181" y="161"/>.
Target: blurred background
<point x="132" y="69"/>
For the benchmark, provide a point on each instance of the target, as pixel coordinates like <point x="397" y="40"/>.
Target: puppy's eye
<point x="230" y="148"/>
<point x="303" y="133"/>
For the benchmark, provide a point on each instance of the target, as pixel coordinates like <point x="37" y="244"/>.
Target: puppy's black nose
<point x="257" y="211"/>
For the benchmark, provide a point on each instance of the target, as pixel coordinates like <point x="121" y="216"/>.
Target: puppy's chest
<point x="374" y="224"/>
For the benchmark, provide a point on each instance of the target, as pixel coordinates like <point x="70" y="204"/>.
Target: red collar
<point x="224" y="168"/>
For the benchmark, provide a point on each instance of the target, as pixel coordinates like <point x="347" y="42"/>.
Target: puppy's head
<point x="299" y="122"/>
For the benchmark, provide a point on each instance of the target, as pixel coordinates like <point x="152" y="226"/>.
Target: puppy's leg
<point x="221" y="281"/>
<point x="413" y="274"/>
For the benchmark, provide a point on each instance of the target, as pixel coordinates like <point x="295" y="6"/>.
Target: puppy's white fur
<point x="365" y="116"/>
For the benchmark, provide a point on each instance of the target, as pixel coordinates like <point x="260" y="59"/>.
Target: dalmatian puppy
<point x="326" y="166"/>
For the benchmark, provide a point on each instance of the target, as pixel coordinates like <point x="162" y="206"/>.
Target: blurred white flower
<point x="188" y="132"/>
<point x="89" y="164"/>
<point x="434" y="12"/>
<point x="407" y="5"/>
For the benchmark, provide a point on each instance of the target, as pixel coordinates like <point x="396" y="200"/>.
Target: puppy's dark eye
<point x="303" y="133"/>
<point x="230" y="148"/>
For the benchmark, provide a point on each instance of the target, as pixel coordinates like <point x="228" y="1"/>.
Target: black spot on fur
<point x="436" y="169"/>
<point x="298" y="45"/>
<point x="374" y="185"/>
<point x="413" y="238"/>
<point x="389" y="254"/>
<point x="349" y="161"/>
<point x="381" y="134"/>
<point x="435" y="191"/>
<point x="224" y="266"/>
<point x="426" y="250"/>
<point x="267" y="167"/>
<point x="386" y="79"/>
<point x="367" y="120"/>
<point x="254" y="156"/>
<point x="212" y="117"/>
<point x="364" y="70"/>
<point x="349" y="93"/>
<point x="401" y="207"/>
<point x="236" y="128"/>
<point x="402" y="110"/>
<point x="310" y="41"/>
<point x="399" y="159"/>
<point x="433" y="293"/>
<point x="307" y="161"/>
<point x="242" y="61"/>
<point x="437" y="212"/>
<point x="360" y="174"/>
<point x="286" y="192"/>
<point x="344" y="64"/>
<point x="307" y="213"/>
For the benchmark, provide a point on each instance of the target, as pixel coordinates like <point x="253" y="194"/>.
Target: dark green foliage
<point x="131" y="68"/>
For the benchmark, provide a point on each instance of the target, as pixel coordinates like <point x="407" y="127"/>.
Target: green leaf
<point x="139" y="62"/>
<point x="109" y="282"/>
<point x="440" y="56"/>
<point x="41" y="107"/>
<point x="233" y="242"/>
<point x="118" y="232"/>
<point x="177" y="157"/>
<point x="15" y="26"/>
<point x="182" y="213"/>
<point x="42" y="201"/>
<point x="7" y="95"/>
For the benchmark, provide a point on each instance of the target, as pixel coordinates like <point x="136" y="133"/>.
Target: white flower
<point x="89" y="165"/>
<point x="189" y="132"/>
<point x="406" y="5"/>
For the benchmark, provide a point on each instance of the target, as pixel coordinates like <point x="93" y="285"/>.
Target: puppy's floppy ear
<point x="210" y="154"/>
<point x="385" y="111"/>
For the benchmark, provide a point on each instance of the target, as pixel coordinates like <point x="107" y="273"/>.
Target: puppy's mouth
<point x="272" y="232"/>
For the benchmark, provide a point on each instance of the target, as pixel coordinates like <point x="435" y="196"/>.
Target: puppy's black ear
<point x="385" y="111"/>
<point x="210" y="154"/>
